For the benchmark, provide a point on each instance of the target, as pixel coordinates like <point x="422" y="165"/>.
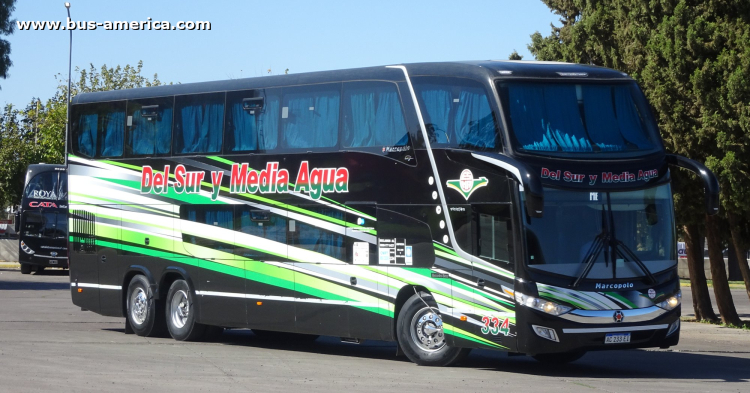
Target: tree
<point x="37" y="133"/>
<point x="515" y="56"/>
<point x="6" y="28"/>
<point x="692" y="59"/>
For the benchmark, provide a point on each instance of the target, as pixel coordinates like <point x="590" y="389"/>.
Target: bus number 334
<point x="492" y="325"/>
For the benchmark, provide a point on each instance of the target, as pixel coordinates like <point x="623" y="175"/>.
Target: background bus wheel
<point x="181" y="313"/>
<point x="558" y="358"/>
<point x="25" y="268"/>
<point x="420" y="333"/>
<point x="143" y="310"/>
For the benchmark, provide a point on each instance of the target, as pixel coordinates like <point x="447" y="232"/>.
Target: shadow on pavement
<point x="31" y="282"/>
<point x="626" y="364"/>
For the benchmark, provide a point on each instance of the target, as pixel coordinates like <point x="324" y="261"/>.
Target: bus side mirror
<point x="18" y="221"/>
<point x="710" y="182"/>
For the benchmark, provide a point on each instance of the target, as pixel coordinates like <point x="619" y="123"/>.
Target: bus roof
<point x="470" y="69"/>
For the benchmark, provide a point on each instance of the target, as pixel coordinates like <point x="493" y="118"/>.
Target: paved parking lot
<point x="48" y="344"/>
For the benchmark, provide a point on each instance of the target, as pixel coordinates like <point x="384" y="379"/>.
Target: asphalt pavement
<point x="48" y="344"/>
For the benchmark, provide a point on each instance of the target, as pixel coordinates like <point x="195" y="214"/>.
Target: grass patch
<point x="745" y="324"/>
<point x="732" y="284"/>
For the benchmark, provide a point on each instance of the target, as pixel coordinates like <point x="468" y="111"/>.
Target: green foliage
<point x="37" y="133"/>
<point x="6" y="28"/>
<point x="515" y="56"/>
<point x="692" y="59"/>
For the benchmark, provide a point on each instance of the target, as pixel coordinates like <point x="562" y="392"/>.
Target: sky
<point x="247" y="38"/>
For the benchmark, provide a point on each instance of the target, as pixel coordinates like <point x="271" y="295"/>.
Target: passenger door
<point x="84" y="263"/>
<point x="494" y="274"/>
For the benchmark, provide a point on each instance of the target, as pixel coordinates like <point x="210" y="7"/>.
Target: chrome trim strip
<point x="438" y="182"/>
<point x="606" y="316"/>
<point x="100" y="286"/>
<point x="506" y="166"/>
<point x="616" y="329"/>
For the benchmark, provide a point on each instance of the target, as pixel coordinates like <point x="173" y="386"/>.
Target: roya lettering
<point x="243" y="179"/>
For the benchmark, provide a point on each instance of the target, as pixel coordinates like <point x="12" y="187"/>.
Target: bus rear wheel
<point x="420" y="333"/>
<point x="25" y="268"/>
<point x="559" y="358"/>
<point x="143" y="312"/>
<point x="181" y="313"/>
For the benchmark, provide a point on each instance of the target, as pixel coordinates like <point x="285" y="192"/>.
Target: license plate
<point x="53" y="262"/>
<point x="617" y="338"/>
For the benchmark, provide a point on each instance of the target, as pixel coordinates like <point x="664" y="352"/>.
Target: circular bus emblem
<point x="466" y="180"/>
<point x="618" y="316"/>
<point x="651" y="293"/>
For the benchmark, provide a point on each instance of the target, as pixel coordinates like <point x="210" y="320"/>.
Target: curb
<point x="10" y="265"/>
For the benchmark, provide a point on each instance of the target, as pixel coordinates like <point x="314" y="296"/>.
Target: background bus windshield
<point x="579" y="118"/>
<point x="642" y="220"/>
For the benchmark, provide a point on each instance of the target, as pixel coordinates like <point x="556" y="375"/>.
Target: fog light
<point x="675" y="326"/>
<point x="545" y="332"/>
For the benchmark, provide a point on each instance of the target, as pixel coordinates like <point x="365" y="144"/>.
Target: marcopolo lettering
<point x="624" y="285"/>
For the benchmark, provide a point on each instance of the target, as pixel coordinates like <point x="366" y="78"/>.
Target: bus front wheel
<point x="420" y="333"/>
<point x="143" y="311"/>
<point x="181" y="313"/>
<point x="25" y="268"/>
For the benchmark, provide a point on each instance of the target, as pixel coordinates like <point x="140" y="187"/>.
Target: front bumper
<point x="586" y="330"/>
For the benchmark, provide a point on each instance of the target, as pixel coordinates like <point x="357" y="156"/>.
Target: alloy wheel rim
<point x="139" y="306"/>
<point x="427" y="330"/>
<point x="180" y="309"/>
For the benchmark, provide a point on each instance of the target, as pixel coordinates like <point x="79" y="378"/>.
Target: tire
<point x="420" y="333"/>
<point x="285" y="336"/>
<point x="180" y="313"/>
<point x="25" y="268"/>
<point x="39" y="269"/>
<point x="558" y="358"/>
<point x="144" y="314"/>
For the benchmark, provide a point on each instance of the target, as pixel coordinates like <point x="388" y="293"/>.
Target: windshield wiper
<point x="597" y="245"/>
<point x="630" y="254"/>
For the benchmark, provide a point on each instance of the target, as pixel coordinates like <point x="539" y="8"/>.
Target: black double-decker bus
<point x="42" y="220"/>
<point x="517" y="206"/>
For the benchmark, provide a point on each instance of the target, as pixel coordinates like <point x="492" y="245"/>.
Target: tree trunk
<point x="698" y="285"/>
<point x="740" y="243"/>
<point x="719" y="273"/>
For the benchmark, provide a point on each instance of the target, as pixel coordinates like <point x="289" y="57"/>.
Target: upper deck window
<point x="310" y="116"/>
<point x="149" y="126"/>
<point x="252" y="120"/>
<point x="199" y="123"/>
<point x="373" y="115"/>
<point x="98" y="129"/>
<point x="578" y="118"/>
<point x="457" y="113"/>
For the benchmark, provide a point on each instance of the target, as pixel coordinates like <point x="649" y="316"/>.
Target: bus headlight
<point x="541" y="304"/>
<point x="671" y="302"/>
<point x="26" y="248"/>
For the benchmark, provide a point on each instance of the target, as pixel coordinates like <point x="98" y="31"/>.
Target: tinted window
<point x="45" y="224"/>
<point x="215" y="215"/>
<point x="310" y="116"/>
<point x="252" y="120"/>
<point x="199" y="121"/>
<point x="319" y="240"/>
<point x="578" y="118"/>
<point x="261" y="223"/>
<point x="149" y="126"/>
<point x="48" y="185"/>
<point x="457" y="113"/>
<point x="373" y="115"/>
<point x="99" y="129"/>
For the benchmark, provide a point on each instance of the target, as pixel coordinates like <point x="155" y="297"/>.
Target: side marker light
<point x="80" y="290"/>
<point x="463" y="318"/>
<point x="259" y="303"/>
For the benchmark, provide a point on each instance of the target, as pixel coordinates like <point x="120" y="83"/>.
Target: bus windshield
<point x="636" y="229"/>
<point x="50" y="185"/>
<point x="46" y="224"/>
<point x="579" y="119"/>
